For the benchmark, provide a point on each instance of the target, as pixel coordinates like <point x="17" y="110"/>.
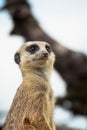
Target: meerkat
<point x="33" y="104"/>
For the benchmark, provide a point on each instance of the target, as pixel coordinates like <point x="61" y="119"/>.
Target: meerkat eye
<point x="32" y="48"/>
<point x="48" y="48"/>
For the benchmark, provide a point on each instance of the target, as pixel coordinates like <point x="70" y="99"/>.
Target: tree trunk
<point x="71" y="65"/>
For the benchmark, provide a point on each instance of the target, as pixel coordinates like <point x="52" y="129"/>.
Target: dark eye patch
<point x="32" y="48"/>
<point x="48" y="48"/>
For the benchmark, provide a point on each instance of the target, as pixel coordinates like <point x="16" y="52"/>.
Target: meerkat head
<point x="33" y="55"/>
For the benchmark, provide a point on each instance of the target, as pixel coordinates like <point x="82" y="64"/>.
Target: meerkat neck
<point x="36" y="74"/>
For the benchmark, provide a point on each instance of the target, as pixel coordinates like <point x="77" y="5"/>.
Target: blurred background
<point x="66" y="22"/>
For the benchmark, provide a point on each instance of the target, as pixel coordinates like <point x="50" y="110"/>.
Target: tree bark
<point x="71" y="65"/>
<point x="64" y="128"/>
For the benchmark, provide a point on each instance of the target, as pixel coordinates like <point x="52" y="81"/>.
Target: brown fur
<point x="33" y="104"/>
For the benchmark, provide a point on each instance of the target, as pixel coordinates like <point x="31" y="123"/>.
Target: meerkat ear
<point x="17" y="58"/>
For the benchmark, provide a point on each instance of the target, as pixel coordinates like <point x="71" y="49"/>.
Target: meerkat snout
<point x="45" y="54"/>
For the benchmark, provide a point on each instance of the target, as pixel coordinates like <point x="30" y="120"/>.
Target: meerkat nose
<point x="45" y="54"/>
